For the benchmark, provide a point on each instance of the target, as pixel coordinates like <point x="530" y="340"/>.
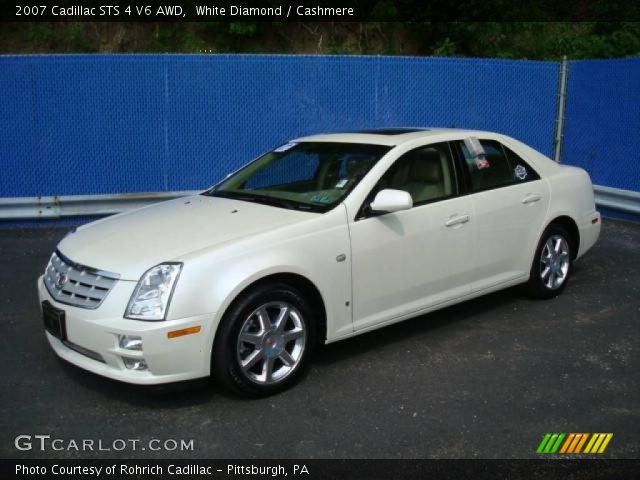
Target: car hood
<point x="132" y="242"/>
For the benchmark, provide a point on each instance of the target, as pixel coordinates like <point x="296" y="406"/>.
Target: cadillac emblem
<point x="61" y="280"/>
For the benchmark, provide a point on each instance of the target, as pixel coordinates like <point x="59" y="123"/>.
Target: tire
<point x="552" y="262"/>
<point x="268" y="357"/>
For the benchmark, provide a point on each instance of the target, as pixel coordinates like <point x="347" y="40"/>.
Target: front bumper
<point x="96" y="332"/>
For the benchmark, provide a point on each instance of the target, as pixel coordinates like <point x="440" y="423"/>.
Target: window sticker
<point x="285" y="147"/>
<point x="342" y="183"/>
<point x="482" y="163"/>
<point x="321" y="198"/>
<point x="520" y="172"/>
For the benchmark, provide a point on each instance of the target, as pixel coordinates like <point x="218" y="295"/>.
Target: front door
<point x="411" y="260"/>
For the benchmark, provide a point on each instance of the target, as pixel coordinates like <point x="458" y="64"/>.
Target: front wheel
<point x="551" y="265"/>
<point x="264" y="341"/>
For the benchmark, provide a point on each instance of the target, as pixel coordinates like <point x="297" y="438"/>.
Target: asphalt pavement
<point x="483" y="379"/>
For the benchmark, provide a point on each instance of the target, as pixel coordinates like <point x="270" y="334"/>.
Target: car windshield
<point x="313" y="176"/>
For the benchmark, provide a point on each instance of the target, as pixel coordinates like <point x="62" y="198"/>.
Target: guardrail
<point x="617" y="199"/>
<point x="29" y="208"/>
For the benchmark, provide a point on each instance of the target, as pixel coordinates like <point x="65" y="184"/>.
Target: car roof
<point x="393" y="137"/>
<point x="388" y="136"/>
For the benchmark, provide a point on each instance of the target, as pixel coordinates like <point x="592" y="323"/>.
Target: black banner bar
<point x="317" y="10"/>
<point x="584" y="469"/>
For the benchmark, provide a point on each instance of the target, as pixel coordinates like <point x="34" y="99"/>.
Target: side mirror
<point x="388" y="201"/>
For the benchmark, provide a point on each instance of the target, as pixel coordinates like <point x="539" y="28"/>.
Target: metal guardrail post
<point x="562" y="102"/>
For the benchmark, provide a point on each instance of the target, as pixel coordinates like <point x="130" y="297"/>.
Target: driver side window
<point x="426" y="173"/>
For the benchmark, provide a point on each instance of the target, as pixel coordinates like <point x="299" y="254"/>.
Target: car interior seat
<point x="429" y="176"/>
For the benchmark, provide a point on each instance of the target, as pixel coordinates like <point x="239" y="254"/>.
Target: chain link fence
<point x="116" y="124"/>
<point x="105" y="124"/>
<point x="602" y="121"/>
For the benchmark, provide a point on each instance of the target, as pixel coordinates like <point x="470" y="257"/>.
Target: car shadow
<point x="196" y="392"/>
<point x="183" y="394"/>
<point x="423" y="324"/>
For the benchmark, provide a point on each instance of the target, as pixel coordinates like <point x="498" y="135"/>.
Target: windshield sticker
<point x="285" y="147"/>
<point x="321" y="198"/>
<point x="342" y="183"/>
<point x="482" y="163"/>
<point x="520" y="172"/>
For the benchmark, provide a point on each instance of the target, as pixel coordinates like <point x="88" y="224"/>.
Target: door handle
<point x="531" y="198"/>
<point x="457" y="220"/>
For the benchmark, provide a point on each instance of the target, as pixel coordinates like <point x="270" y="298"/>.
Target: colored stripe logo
<point x="573" y="443"/>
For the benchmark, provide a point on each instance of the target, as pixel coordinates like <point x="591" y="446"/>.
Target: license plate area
<point x="54" y="320"/>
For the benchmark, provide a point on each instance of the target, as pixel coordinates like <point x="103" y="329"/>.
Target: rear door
<point x="510" y="201"/>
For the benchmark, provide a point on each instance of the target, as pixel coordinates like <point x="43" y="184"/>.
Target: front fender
<point x="211" y="280"/>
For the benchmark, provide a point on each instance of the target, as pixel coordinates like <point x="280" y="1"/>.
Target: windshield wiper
<point x="273" y="201"/>
<point x="262" y="199"/>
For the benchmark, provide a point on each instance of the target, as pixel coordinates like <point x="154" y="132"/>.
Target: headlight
<point x="150" y="299"/>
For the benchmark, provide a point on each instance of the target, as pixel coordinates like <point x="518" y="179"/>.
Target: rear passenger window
<point x="489" y="171"/>
<point x="522" y="172"/>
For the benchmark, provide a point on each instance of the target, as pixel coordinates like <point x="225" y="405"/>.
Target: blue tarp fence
<point x="91" y="124"/>
<point x="602" y="131"/>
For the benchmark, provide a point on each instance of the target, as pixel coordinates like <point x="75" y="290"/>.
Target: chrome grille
<point x="77" y="285"/>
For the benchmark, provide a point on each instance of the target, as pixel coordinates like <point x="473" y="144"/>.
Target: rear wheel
<point x="264" y="341"/>
<point x="551" y="266"/>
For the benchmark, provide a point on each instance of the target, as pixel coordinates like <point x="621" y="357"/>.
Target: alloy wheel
<point x="271" y="342"/>
<point x="554" y="262"/>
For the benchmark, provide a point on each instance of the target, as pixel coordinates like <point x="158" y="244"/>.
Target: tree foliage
<point x="530" y="40"/>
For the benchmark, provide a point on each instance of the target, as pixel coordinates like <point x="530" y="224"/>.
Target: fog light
<point x="130" y="342"/>
<point x="134" y="363"/>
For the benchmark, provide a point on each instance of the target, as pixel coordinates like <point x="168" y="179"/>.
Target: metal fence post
<point x="562" y="98"/>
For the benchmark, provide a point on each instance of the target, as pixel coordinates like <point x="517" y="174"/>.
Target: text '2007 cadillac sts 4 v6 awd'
<point x="323" y="238"/>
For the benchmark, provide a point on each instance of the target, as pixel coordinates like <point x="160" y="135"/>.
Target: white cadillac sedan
<point x="321" y="239"/>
